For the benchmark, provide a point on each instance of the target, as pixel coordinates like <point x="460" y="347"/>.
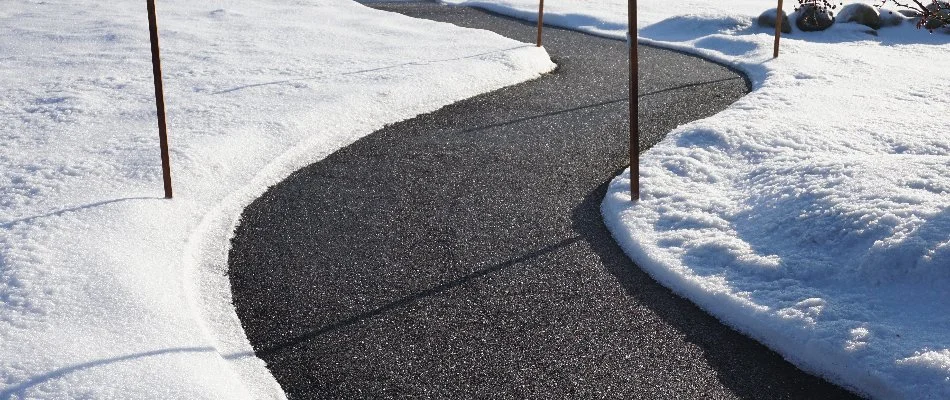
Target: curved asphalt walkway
<point x="462" y="253"/>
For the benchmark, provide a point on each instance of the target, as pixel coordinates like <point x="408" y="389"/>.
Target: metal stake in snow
<point x="159" y="97"/>
<point x="540" y="20"/>
<point x="634" y="103"/>
<point x="778" y="27"/>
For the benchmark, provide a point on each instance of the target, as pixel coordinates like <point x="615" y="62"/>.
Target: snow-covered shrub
<point x="815" y="15"/>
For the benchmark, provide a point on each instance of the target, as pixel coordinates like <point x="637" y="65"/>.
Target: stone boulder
<point x="938" y="5"/>
<point x="864" y="14"/>
<point x="909" y="13"/>
<point x="942" y="9"/>
<point x="892" y="18"/>
<point x="811" y="18"/>
<point x="768" y="19"/>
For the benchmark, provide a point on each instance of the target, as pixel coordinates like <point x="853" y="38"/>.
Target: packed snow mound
<point x="813" y="213"/>
<point x="106" y="289"/>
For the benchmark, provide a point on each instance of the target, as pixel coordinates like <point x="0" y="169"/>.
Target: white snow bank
<point x="109" y="291"/>
<point x="813" y="213"/>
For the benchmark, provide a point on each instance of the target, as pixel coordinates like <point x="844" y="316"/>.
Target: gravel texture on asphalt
<point x="462" y="253"/>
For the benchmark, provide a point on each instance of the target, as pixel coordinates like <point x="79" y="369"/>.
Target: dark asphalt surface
<point x="462" y="253"/>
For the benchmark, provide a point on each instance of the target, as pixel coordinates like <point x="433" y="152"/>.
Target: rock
<point x="767" y="19"/>
<point x="892" y="18"/>
<point x="934" y="23"/>
<point x="942" y="17"/>
<point x="861" y="13"/>
<point x="938" y="5"/>
<point x="811" y="19"/>
<point x="909" y="13"/>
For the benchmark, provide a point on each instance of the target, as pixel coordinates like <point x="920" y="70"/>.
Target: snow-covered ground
<point x="109" y="291"/>
<point x="813" y="214"/>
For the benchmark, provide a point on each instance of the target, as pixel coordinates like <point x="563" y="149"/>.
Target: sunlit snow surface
<point x="813" y="214"/>
<point x="109" y="291"/>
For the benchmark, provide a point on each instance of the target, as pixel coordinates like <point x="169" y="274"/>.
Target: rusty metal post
<point x="634" y="103"/>
<point x="778" y="27"/>
<point x="540" y="20"/>
<point x="159" y="97"/>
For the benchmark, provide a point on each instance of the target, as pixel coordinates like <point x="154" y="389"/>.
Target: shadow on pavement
<point x="407" y="300"/>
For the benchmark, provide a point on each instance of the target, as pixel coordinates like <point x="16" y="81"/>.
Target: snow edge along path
<point x="810" y="215"/>
<point x="127" y="297"/>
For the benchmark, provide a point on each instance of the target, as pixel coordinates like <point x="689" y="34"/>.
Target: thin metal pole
<point x="634" y="103"/>
<point x="778" y="27"/>
<point x="540" y="20"/>
<point x="159" y="97"/>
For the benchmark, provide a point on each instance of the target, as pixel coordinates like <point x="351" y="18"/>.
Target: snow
<point x="812" y="214"/>
<point x="106" y="289"/>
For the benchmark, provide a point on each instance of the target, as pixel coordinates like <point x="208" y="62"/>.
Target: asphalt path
<point x="462" y="253"/>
